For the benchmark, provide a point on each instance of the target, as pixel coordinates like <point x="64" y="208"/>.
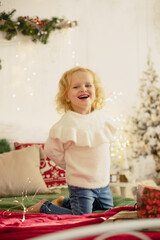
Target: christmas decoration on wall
<point x="144" y="128"/>
<point x="0" y="64"/>
<point x="38" y="30"/>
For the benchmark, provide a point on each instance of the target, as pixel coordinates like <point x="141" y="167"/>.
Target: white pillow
<point x="20" y="172"/>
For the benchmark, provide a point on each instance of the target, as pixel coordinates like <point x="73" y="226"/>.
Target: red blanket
<point x="17" y="226"/>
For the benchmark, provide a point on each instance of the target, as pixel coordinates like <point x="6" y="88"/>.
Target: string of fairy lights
<point x="24" y="65"/>
<point x="38" y="30"/>
<point x="120" y="141"/>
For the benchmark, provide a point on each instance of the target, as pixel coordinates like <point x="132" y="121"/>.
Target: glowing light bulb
<point x="18" y="109"/>
<point x="73" y="54"/>
<point x="13" y="95"/>
<point x="25" y="68"/>
<point x="109" y="100"/>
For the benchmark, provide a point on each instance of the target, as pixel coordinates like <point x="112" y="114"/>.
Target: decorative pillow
<point x="20" y="173"/>
<point x="52" y="175"/>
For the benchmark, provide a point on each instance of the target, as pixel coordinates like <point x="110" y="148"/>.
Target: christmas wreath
<point x="38" y="30"/>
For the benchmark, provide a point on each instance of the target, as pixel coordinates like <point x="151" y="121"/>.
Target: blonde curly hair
<point x="64" y="85"/>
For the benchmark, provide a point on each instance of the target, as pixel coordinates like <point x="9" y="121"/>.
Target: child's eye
<point x="75" y="87"/>
<point x="88" y="85"/>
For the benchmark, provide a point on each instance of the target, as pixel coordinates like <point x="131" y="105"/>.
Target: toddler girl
<point x="79" y="143"/>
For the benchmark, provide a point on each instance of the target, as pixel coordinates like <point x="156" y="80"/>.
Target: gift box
<point x="148" y="201"/>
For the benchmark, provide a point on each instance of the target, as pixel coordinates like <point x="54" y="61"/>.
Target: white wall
<point x="112" y="38"/>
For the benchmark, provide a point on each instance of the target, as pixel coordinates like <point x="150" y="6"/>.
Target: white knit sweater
<point x="80" y="144"/>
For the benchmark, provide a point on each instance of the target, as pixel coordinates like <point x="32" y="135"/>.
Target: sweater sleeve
<point x="54" y="149"/>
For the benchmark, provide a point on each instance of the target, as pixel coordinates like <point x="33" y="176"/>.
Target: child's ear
<point x="67" y="99"/>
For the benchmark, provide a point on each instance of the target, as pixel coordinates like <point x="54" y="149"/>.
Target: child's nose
<point x="83" y="88"/>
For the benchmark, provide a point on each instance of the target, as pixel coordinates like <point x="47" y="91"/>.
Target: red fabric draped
<point x="13" y="227"/>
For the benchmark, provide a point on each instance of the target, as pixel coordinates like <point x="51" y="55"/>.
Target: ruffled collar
<point x="90" y="130"/>
<point x="82" y="116"/>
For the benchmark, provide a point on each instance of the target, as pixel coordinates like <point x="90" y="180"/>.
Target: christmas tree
<point x="144" y="127"/>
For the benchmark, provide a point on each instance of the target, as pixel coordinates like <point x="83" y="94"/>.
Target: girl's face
<point x="81" y="93"/>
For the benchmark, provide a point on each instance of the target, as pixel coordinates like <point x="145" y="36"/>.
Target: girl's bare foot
<point x="58" y="201"/>
<point x="36" y="208"/>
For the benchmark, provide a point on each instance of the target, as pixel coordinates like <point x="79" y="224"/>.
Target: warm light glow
<point x="120" y="141"/>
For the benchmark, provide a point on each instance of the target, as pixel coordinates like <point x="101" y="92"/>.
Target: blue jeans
<point x="81" y="201"/>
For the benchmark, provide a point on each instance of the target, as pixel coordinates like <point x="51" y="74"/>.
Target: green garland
<point x="38" y="30"/>
<point x="0" y="64"/>
<point x="4" y="146"/>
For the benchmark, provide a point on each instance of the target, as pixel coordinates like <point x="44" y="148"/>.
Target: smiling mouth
<point x="83" y="96"/>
